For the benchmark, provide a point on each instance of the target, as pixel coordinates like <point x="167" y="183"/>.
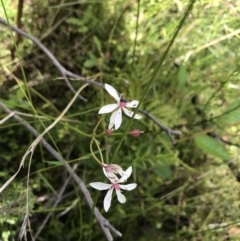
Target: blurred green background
<point x="186" y="191"/>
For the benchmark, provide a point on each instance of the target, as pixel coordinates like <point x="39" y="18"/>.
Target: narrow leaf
<point x="232" y="115"/>
<point x="211" y="146"/>
<point x="182" y="77"/>
<point x="164" y="171"/>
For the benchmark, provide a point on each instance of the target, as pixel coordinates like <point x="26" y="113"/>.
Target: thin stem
<point x="75" y="76"/>
<point x="157" y="69"/>
<point x="91" y="150"/>
<point x="104" y="223"/>
<point x="99" y="149"/>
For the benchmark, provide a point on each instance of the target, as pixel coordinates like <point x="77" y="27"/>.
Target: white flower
<point x="116" y="117"/>
<point x="110" y="171"/>
<point x="114" y="185"/>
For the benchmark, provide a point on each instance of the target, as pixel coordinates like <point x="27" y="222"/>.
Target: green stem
<point x="159" y="65"/>
<point x="99" y="149"/>
<point x="96" y="142"/>
<point x="91" y="149"/>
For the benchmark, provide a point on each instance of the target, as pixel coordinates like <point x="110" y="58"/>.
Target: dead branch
<point x="104" y="223"/>
<point x="66" y="73"/>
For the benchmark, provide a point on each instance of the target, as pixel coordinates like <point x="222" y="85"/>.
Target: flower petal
<point x="137" y="116"/>
<point x="112" y="92"/>
<point x="110" y="175"/>
<point x="112" y="120"/>
<point x="128" y="187"/>
<point x="121" y="198"/>
<point x="110" y="128"/>
<point x="107" y="108"/>
<point x="132" y="104"/>
<point x="126" y="175"/>
<point x="117" y="118"/>
<point x="130" y="113"/>
<point x="108" y="199"/>
<point x="100" y="185"/>
<point x="105" y="173"/>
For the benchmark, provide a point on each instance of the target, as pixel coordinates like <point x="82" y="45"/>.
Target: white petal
<point x="112" y="92"/>
<point x="121" y="198"/>
<point x="110" y="126"/>
<point x="108" y="199"/>
<point x="117" y="118"/>
<point x="130" y="113"/>
<point x="137" y="116"/>
<point x="105" y="173"/>
<point x="126" y="175"/>
<point x="100" y="185"/>
<point x="111" y="176"/>
<point x="112" y="120"/>
<point x="128" y="187"/>
<point x="108" y="108"/>
<point x="132" y="104"/>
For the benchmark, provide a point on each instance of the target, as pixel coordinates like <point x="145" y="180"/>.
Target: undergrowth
<point x="186" y="191"/>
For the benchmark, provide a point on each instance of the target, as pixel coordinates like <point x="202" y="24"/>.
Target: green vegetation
<point x="180" y="59"/>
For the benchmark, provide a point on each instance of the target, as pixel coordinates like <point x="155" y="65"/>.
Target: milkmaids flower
<point x="114" y="185"/>
<point x="116" y="109"/>
<point x="110" y="171"/>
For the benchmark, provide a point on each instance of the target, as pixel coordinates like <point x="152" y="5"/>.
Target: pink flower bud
<point x="109" y="132"/>
<point x="135" y="133"/>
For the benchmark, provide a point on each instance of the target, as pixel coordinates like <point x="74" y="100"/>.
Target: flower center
<point x="122" y="104"/>
<point x="116" y="186"/>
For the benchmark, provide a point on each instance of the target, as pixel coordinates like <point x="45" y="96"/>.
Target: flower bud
<point x="109" y="132"/>
<point x="135" y="133"/>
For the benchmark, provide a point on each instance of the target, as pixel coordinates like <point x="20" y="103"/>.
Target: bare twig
<point x="168" y="130"/>
<point x="230" y="143"/>
<point x="59" y="198"/>
<point x="6" y="117"/>
<point x="105" y="225"/>
<point x="66" y="73"/>
<point x="219" y="138"/>
<point x="46" y="51"/>
<point x="32" y="147"/>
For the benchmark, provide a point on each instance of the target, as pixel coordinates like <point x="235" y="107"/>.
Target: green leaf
<point x="74" y="21"/>
<point x="47" y="183"/>
<point x="24" y="104"/>
<point x="233" y="113"/>
<point x="212" y="146"/>
<point x="98" y="44"/>
<point x="182" y="77"/>
<point x="20" y="94"/>
<point x="54" y="163"/>
<point x="83" y="29"/>
<point x="89" y="63"/>
<point x="164" y="171"/>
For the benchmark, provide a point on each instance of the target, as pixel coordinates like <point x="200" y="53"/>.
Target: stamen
<point x="122" y="104"/>
<point x="116" y="186"/>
